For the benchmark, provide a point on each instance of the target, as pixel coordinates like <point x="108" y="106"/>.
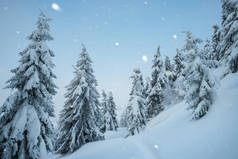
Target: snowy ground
<point x="172" y="135"/>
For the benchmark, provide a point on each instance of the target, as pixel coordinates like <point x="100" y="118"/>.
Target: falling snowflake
<point x="175" y="36"/>
<point x="18" y="32"/>
<point x="163" y="18"/>
<point x="117" y="43"/>
<point x="156" y="146"/>
<point x="145" y="3"/>
<point x="55" y="6"/>
<point x="144" y="58"/>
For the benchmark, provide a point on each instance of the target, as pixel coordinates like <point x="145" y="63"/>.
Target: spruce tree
<point x="167" y="63"/>
<point x="178" y="64"/>
<point x="110" y="115"/>
<point x="103" y="108"/>
<point x="146" y="88"/>
<point x="81" y="119"/>
<point x="199" y="86"/>
<point x="216" y="39"/>
<point x="206" y="55"/>
<point x="26" y="131"/>
<point x="198" y="81"/>
<point x="229" y="43"/>
<point x="169" y="73"/>
<point x="136" y="118"/>
<point x="158" y="82"/>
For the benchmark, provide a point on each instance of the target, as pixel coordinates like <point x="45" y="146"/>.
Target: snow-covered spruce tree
<point x="178" y="64"/>
<point x="216" y="39"/>
<point x="103" y="108"/>
<point x="158" y="82"/>
<point x="167" y="63"/>
<point x="81" y="119"/>
<point x="136" y="117"/>
<point x="25" y="129"/>
<point x="229" y="44"/>
<point x="169" y="73"/>
<point x="190" y="45"/>
<point x="199" y="86"/>
<point x="110" y="117"/>
<point x="198" y="82"/>
<point x="146" y="88"/>
<point x="206" y="55"/>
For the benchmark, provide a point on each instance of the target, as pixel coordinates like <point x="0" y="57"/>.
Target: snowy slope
<point x="172" y="135"/>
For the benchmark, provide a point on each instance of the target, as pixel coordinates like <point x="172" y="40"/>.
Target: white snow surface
<point x="173" y="135"/>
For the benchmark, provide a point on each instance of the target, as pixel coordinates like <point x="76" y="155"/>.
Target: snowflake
<point x="55" y="6"/>
<point x="175" y="36"/>
<point x="144" y="58"/>
<point x="156" y="146"/>
<point x="117" y="43"/>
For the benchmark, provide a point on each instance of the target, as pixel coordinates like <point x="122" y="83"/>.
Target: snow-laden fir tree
<point x="158" y="82"/>
<point x="206" y="55"/>
<point x="199" y="86"/>
<point x="178" y="64"/>
<point x="146" y="88"/>
<point x="190" y="47"/>
<point x="81" y="119"/>
<point x="191" y="44"/>
<point x="158" y="70"/>
<point x="199" y="83"/>
<point x="103" y="103"/>
<point x="136" y="117"/>
<point x="110" y="117"/>
<point x="25" y="129"/>
<point x="169" y="73"/>
<point x="103" y="108"/>
<point x="216" y="39"/>
<point x="168" y="65"/>
<point x="229" y="44"/>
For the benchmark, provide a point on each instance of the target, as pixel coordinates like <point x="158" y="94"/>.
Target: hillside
<point x="172" y="135"/>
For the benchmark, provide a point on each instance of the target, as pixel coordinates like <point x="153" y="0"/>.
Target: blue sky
<point x="138" y="26"/>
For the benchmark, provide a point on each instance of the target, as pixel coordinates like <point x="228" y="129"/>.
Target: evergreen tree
<point x="81" y="118"/>
<point x="158" y="71"/>
<point x="190" y="49"/>
<point x="25" y="129"/>
<point x="158" y="82"/>
<point x="136" y="107"/>
<point x="206" y="55"/>
<point x="198" y="80"/>
<point x="199" y="86"/>
<point x="190" y="45"/>
<point x="216" y="39"/>
<point x="169" y="74"/>
<point x="103" y="108"/>
<point x="178" y="64"/>
<point x="168" y="66"/>
<point x="229" y="44"/>
<point x="146" y="88"/>
<point x="110" y="117"/>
